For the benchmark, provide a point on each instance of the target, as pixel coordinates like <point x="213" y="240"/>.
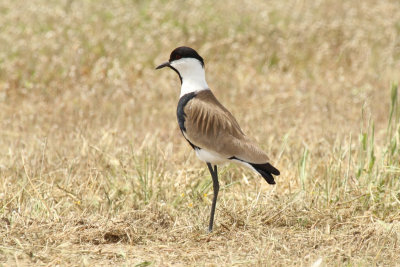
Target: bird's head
<point x="186" y="62"/>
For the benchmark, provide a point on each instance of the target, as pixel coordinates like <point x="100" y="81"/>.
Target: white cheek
<point x="192" y="74"/>
<point x="178" y="64"/>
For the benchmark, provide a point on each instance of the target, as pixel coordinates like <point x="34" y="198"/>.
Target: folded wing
<point x="209" y="125"/>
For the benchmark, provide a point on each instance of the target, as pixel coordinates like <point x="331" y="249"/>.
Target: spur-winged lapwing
<point x="208" y="126"/>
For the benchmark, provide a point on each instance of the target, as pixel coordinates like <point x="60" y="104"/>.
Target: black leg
<point x="214" y="175"/>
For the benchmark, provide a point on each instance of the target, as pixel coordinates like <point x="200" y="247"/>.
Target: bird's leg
<point x="214" y="175"/>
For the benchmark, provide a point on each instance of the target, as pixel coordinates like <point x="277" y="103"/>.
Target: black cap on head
<point x="178" y="53"/>
<point x="185" y="52"/>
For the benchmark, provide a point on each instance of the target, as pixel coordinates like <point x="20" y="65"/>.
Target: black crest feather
<point x="185" y="52"/>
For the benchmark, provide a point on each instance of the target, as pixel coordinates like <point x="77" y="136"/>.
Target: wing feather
<point x="211" y="126"/>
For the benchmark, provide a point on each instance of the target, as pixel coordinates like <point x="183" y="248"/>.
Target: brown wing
<point x="211" y="126"/>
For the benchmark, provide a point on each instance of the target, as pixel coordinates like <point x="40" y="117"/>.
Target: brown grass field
<point x="94" y="170"/>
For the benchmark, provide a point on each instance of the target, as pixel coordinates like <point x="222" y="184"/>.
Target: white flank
<point x="210" y="157"/>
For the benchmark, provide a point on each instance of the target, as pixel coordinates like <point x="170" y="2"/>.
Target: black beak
<point x="165" y="64"/>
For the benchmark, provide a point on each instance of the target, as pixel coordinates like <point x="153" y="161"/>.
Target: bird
<point x="210" y="129"/>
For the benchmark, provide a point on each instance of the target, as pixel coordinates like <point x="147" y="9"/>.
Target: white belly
<point x="210" y="157"/>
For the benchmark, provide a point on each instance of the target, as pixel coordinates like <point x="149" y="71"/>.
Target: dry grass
<point x="94" y="170"/>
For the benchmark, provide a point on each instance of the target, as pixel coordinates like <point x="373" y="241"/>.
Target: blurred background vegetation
<point x="91" y="157"/>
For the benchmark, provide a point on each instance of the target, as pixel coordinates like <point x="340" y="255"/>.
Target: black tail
<point x="266" y="170"/>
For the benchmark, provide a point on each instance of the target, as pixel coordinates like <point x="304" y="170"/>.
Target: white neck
<point x="192" y="73"/>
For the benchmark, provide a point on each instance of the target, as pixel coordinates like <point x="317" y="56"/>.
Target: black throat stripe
<point x="180" y="77"/>
<point x="180" y="114"/>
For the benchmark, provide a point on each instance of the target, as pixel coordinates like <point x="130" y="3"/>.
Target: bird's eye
<point x="178" y="57"/>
